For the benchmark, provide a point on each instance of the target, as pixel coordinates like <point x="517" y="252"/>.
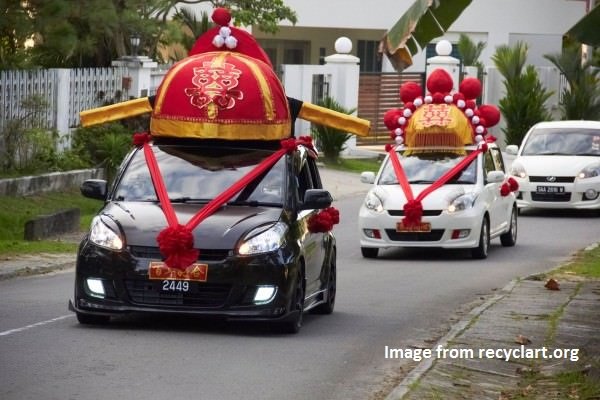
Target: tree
<point x="581" y="98"/>
<point x="470" y="51"/>
<point x="524" y="102"/>
<point x="331" y="141"/>
<point x="92" y="33"/>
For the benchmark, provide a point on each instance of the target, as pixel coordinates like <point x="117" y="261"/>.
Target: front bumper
<point x="571" y="195"/>
<point x="442" y="227"/>
<point x="231" y="284"/>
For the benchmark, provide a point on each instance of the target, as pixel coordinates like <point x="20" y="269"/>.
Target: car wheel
<point x="293" y="325"/>
<point x="369" y="252"/>
<point x="91" y="319"/>
<point x="328" y="306"/>
<point x="481" y="251"/>
<point x="509" y="238"/>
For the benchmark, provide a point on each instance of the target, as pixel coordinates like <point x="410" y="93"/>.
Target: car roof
<point x="568" y="124"/>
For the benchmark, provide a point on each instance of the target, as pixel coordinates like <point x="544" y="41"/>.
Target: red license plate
<point x="195" y="272"/>
<point x="422" y="227"/>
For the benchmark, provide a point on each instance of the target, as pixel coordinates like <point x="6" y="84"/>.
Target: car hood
<point x="554" y="165"/>
<point x="141" y="222"/>
<point x="393" y="197"/>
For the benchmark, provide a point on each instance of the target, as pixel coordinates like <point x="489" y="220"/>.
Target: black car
<point x="259" y="260"/>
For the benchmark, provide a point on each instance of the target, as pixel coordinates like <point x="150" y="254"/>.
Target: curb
<point x="415" y="375"/>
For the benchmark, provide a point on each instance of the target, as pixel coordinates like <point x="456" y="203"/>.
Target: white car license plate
<point x="550" y="189"/>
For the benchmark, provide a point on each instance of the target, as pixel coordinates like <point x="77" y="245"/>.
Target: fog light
<point x="95" y="287"/>
<point x="372" y="233"/>
<point x="460" y="233"/>
<point x="590" y="194"/>
<point x="264" y="294"/>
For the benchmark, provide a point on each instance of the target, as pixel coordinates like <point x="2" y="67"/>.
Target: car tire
<point x="369" y="252"/>
<point x="293" y="325"/>
<point x="509" y="238"/>
<point x="481" y="251"/>
<point x="329" y="305"/>
<point x="91" y="319"/>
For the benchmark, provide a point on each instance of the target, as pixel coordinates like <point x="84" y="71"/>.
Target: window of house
<point x="370" y="59"/>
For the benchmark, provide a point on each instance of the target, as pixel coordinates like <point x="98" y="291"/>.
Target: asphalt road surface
<point x="401" y="299"/>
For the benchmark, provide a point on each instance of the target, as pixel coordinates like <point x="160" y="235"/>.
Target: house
<point x="539" y="23"/>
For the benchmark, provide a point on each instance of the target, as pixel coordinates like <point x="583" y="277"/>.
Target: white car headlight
<point x="373" y="202"/>
<point x="102" y="235"/>
<point x="462" y="202"/>
<point x="590" y="171"/>
<point x="264" y="242"/>
<point x="518" y="170"/>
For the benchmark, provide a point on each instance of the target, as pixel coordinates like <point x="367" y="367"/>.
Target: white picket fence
<point x="65" y="91"/>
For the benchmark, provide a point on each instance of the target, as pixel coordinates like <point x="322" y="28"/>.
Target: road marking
<point x="24" y="328"/>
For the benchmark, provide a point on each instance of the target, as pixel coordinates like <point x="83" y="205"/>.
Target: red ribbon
<point x="176" y="242"/>
<point x="413" y="208"/>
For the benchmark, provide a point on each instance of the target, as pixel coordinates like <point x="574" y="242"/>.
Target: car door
<point x="505" y="203"/>
<point x="313" y="243"/>
<point x="498" y="203"/>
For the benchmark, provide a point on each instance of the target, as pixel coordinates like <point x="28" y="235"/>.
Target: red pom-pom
<point x="289" y="145"/>
<point x="490" y="113"/>
<point x="440" y="81"/>
<point x="334" y="214"/>
<point x="457" y="96"/>
<point x="390" y="118"/>
<point x="438" y="98"/>
<point x="471" y="104"/>
<point x="141" y="138"/>
<point x="388" y="147"/>
<point x="409" y="91"/>
<point x="413" y="211"/>
<point x="176" y="243"/>
<point x="320" y="222"/>
<point x="221" y="16"/>
<point x="504" y="189"/>
<point x="470" y="87"/>
<point x="513" y="184"/>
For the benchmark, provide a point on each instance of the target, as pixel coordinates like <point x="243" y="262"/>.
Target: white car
<point x="558" y="165"/>
<point x="466" y="212"/>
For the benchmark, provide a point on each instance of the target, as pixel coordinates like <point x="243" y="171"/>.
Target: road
<point x="401" y="299"/>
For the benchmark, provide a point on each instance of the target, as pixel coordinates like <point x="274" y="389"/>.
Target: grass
<point x="585" y="264"/>
<point x="15" y="211"/>
<point x="355" y="164"/>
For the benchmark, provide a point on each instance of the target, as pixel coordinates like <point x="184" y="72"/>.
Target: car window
<point x="562" y="141"/>
<point x="428" y="167"/>
<point x="201" y="173"/>
<point x="304" y="180"/>
<point x="498" y="159"/>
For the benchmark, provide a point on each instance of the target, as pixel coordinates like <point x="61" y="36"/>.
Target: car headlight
<point x="104" y="236"/>
<point x="373" y="202"/>
<point x="267" y="240"/>
<point x="590" y="171"/>
<point x="462" y="202"/>
<point x="518" y="170"/>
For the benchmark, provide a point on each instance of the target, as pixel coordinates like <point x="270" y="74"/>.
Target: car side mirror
<point x="495" y="177"/>
<point x="512" y="149"/>
<point x="367" y="177"/>
<point x="316" y="199"/>
<point x="94" y="189"/>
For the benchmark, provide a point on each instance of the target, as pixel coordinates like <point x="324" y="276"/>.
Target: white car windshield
<point x="567" y="142"/>
<point x="426" y="168"/>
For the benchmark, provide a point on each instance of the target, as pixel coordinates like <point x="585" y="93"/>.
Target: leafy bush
<point x="525" y="101"/>
<point x="329" y="140"/>
<point x="581" y="98"/>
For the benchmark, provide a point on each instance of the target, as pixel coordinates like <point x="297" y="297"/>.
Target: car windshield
<point x="199" y="174"/>
<point x="428" y="167"/>
<point x="563" y="141"/>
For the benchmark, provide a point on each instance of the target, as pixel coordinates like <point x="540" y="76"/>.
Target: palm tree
<point x="581" y="98"/>
<point x="470" y="51"/>
<point x="524" y="103"/>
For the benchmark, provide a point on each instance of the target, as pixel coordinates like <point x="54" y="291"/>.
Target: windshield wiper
<point x="188" y="199"/>
<point x="419" y="181"/>
<point x="253" y="203"/>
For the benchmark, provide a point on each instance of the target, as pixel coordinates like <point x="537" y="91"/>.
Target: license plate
<point x="422" y="227"/>
<point x="160" y="271"/>
<point x="169" y="285"/>
<point x="550" y="189"/>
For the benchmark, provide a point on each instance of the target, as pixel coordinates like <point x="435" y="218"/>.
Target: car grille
<point x="199" y="295"/>
<point x="433" y="236"/>
<point x="557" y="179"/>
<point x="154" y="253"/>
<point x="426" y="213"/>
<point x="558" y="197"/>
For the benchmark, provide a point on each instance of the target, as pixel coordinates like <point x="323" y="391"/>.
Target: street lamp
<point x="134" y="40"/>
